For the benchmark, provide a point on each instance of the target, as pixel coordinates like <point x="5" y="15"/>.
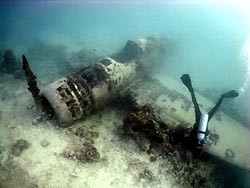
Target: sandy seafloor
<point x="122" y="162"/>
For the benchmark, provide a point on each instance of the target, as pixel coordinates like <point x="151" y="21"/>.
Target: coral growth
<point x="143" y="121"/>
<point x="85" y="151"/>
<point x="18" y="147"/>
<point x="170" y="143"/>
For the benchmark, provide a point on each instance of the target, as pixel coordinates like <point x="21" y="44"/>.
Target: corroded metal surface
<point x="82" y="93"/>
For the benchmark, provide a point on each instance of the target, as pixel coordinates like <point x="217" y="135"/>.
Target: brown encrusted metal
<point x="82" y="93"/>
<point x="77" y="94"/>
<point x="82" y="88"/>
<point x="32" y="83"/>
<point x="93" y="75"/>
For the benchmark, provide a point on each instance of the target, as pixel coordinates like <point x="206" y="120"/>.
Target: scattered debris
<point x="30" y="107"/>
<point x="213" y="137"/>
<point x="42" y="117"/>
<point x="37" y="120"/>
<point x="229" y="154"/>
<point x="87" y="134"/>
<point x="84" y="153"/>
<point x="148" y="174"/>
<point x="153" y="158"/>
<point x="44" y="143"/>
<point x="18" y="147"/>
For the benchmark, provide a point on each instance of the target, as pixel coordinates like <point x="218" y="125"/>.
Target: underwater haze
<point x="208" y="40"/>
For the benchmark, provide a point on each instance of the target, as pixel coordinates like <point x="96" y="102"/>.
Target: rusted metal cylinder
<point x="79" y="94"/>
